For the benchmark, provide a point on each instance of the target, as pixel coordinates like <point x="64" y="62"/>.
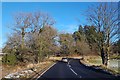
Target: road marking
<point x="45" y="71"/>
<point x="69" y="65"/>
<point x="73" y="70"/>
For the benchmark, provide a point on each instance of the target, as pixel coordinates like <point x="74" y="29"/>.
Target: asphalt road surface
<point x="74" y="70"/>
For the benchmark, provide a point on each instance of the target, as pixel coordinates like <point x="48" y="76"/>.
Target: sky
<point x="60" y="0"/>
<point x="68" y="15"/>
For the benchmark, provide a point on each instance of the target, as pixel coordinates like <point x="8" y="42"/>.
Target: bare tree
<point x="40" y="20"/>
<point x="32" y="32"/>
<point x="105" y="18"/>
<point x="41" y="34"/>
<point x="31" y="22"/>
<point x="22" y="24"/>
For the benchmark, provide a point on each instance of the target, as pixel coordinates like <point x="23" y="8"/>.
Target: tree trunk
<point x="107" y="49"/>
<point x="23" y="35"/>
<point x="103" y="56"/>
<point x="36" y="56"/>
<point x="106" y="59"/>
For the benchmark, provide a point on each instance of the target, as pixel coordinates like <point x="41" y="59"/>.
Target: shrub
<point x="9" y="59"/>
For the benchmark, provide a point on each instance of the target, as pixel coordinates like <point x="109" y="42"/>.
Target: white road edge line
<point x="45" y="71"/>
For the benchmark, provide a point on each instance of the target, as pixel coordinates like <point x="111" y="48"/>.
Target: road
<point x="74" y="70"/>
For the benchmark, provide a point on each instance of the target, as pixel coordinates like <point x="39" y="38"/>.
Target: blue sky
<point x="66" y="14"/>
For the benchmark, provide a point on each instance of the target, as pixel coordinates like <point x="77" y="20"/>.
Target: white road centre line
<point x="73" y="71"/>
<point x="69" y="65"/>
<point x="45" y="71"/>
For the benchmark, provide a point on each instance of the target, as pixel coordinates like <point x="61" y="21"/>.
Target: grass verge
<point x="36" y="68"/>
<point x="95" y="61"/>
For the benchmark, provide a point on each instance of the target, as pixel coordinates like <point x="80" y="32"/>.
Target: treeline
<point x="34" y="36"/>
<point x="32" y="39"/>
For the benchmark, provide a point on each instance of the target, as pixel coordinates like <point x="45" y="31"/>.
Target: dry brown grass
<point x="55" y="58"/>
<point x="68" y="56"/>
<point x="92" y="60"/>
